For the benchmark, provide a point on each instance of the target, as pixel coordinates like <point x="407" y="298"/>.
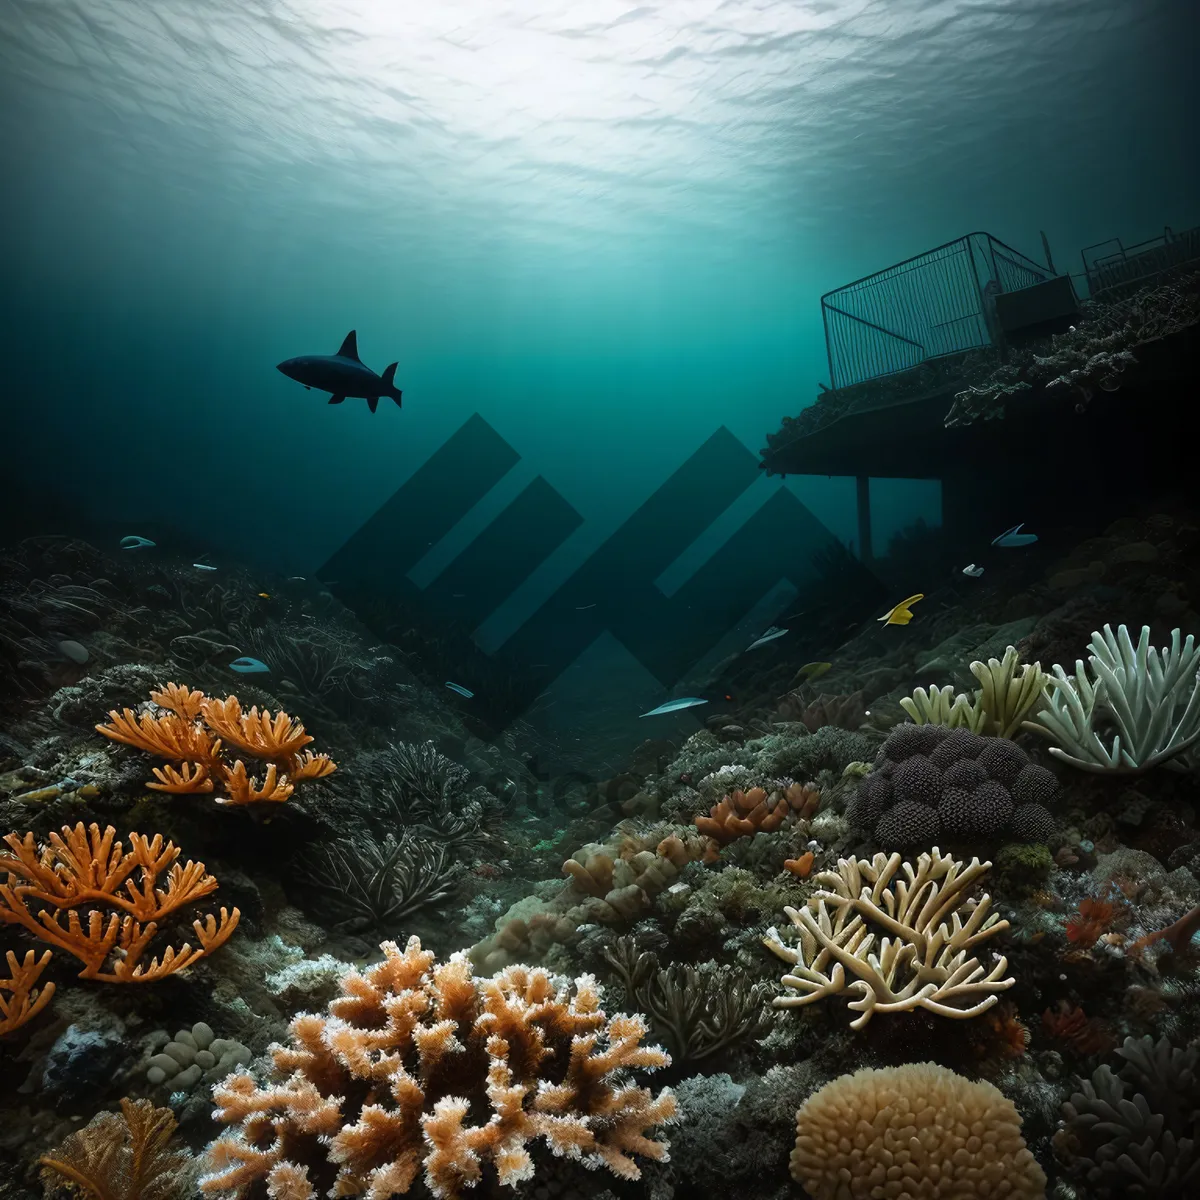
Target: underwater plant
<point x="698" y="1013"/>
<point x="418" y="1066"/>
<point x="924" y="955"/>
<point x="374" y="882"/>
<point x="1148" y="699"/>
<point x="195" y="731"/>
<point x="84" y="871"/>
<point x="913" y="1132"/>
<point x="121" y="1156"/>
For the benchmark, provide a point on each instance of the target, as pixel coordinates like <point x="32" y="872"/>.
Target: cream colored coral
<point x="916" y="1132"/>
<point x="940" y="706"/>
<point x="419" y="1069"/>
<point x="1009" y="691"/>
<point x="924" y="957"/>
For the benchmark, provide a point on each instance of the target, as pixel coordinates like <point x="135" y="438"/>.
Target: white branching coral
<point x="925" y="953"/>
<point x="419" y="1068"/>
<point x="1150" y="698"/>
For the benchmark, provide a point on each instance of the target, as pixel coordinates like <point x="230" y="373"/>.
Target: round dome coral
<point x="916" y="1132"/>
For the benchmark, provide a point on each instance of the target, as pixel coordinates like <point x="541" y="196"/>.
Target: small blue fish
<point x="133" y="542"/>
<point x="770" y="636"/>
<point x="675" y="706"/>
<point x="248" y="666"/>
<point x="203" y="567"/>
<point x="972" y="570"/>
<point x="462" y="691"/>
<point x="1013" y="537"/>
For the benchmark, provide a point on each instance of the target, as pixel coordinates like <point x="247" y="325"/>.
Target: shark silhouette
<point x="343" y="374"/>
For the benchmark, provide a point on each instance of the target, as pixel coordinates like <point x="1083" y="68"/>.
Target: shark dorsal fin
<point x="350" y="347"/>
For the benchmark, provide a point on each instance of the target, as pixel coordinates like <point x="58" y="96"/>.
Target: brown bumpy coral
<point x="914" y="1132"/>
<point x="86" y="870"/>
<point x="193" y="730"/>
<point x="420" y="1067"/>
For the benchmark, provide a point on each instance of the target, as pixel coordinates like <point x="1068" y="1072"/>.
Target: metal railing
<point x="937" y="303"/>
<point x="1123" y="269"/>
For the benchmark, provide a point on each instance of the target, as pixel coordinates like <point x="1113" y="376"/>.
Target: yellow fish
<point x="813" y="670"/>
<point x="265" y="595"/>
<point x="900" y="615"/>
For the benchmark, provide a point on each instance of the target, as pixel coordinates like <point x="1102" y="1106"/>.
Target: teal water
<point x="604" y="227"/>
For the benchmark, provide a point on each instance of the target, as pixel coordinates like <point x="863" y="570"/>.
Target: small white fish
<point x="674" y="706"/>
<point x="972" y="570"/>
<point x="770" y="636"/>
<point x="203" y="567"/>
<point x="133" y="541"/>
<point x="462" y="691"/>
<point x="295" y="579"/>
<point x="1014" y="537"/>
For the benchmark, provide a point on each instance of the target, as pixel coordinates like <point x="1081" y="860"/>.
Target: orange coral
<point x="743" y="814"/>
<point x="193" y="729"/>
<point x="801" y="866"/>
<point x="1177" y="936"/>
<point x="86" y="870"/>
<point x="418" y="1067"/>
<point x="1072" y="1026"/>
<point x="1092" y="919"/>
<point x="24" y="999"/>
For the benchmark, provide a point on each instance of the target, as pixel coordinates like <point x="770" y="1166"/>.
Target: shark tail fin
<point x="389" y="378"/>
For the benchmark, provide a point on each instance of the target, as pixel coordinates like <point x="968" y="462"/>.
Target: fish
<point x="343" y="374"/>
<point x="1014" y="537"/>
<point x="675" y="706"/>
<point x="972" y="570"/>
<point x="900" y="614"/>
<point x="264" y="595"/>
<point x="248" y="666"/>
<point x="770" y="636"/>
<point x="813" y="670"/>
<point x="134" y="542"/>
<point x="296" y="578"/>
<point x="462" y="691"/>
<point x="203" y="567"/>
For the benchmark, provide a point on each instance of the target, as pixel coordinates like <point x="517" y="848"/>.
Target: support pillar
<point x="866" y="552"/>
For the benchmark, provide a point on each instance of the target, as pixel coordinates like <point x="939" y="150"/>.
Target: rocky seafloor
<point x="1062" y="976"/>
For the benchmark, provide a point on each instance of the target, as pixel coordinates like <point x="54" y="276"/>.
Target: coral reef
<point x="914" y="1132"/>
<point x="419" y="1067"/>
<point x="924" y="958"/>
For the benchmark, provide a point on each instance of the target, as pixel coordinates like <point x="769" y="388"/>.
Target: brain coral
<point x="931" y="782"/>
<point x="420" y="1068"/>
<point x="916" y="1132"/>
